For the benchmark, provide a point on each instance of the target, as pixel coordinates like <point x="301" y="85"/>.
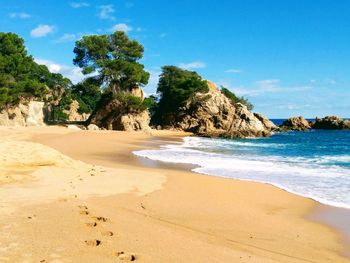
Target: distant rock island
<point x="326" y="123"/>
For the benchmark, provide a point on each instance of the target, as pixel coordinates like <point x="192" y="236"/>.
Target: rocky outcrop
<point x="73" y="114"/>
<point x="111" y="114"/>
<point x="135" y="122"/>
<point x="29" y="114"/>
<point x="331" y="123"/>
<point x="214" y="115"/>
<point x="296" y="124"/>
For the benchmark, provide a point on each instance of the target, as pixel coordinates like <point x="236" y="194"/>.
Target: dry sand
<point x="81" y="196"/>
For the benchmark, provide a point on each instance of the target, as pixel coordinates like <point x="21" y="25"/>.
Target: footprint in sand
<point x="93" y="224"/>
<point x="107" y="233"/>
<point x="93" y="243"/>
<point x="126" y="256"/>
<point x="84" y="212"/>
<point x="100" y="218"/>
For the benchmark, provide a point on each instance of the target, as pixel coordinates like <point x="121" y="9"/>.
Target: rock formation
<point x="30" y="114"/>
<point x="296" y="124"/>
<point x="111" y="115"/>
<point x="73" y="114"/>
<point x="331" y="123"/>
<point x="214" y="115"/>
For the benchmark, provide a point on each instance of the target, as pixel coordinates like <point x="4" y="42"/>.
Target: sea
<point x="314" y="164"/>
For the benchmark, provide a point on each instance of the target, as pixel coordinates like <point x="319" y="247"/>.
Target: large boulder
<point x="214" y="115"/>
<point x="28" y="114"/>
<point x="111" y="114"/>
<point x="296" y="124"/>
<point x="331" y="123"/>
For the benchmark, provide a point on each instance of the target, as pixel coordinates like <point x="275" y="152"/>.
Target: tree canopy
<point x="112" y="60"/>
<point x="175" y="87"/>
<point x="20" y="76"/>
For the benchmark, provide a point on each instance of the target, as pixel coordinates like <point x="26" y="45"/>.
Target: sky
<point x="289" y="57"/>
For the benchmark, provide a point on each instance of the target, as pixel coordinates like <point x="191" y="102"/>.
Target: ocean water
<point x="314" y="164"/>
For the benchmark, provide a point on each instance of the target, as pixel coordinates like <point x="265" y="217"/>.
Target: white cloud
<point x="106" y="12"/>
<point x="79" y="4"/>
<point x="192" y="65"/>
<point x="67" y="38"/>
<point x="73" y="73"/>
<point x="163" y="35"/>
<point x="42" y="30"/>
<point x="20" y="15"/>
<point x="121" y="27"/>
<point x="138" y="29"/>
<point x="234" y="71"/>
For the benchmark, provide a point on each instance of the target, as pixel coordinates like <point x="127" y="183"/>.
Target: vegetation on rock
<point x="235" y="99"/>
<point x="175" y="87"/>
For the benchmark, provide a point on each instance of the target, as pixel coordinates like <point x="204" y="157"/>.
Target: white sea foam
<point x="303" y="176"/>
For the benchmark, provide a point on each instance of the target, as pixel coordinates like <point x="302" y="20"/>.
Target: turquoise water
<point x="314" y="164"/>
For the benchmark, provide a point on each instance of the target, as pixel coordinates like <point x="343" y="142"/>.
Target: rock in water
<point x="212" y="114"/>
<point x="296" y="124"/>
<point x="331" y="123"/>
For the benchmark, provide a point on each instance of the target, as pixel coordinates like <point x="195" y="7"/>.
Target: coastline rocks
<point x="296" y="124"/>
<point x="331" y="123"/>
<point x="213" y="115"/>
<point x="31" y="114"/>
<point x="111" y="114"/>
<point x="93" y="127"/>
<point x="135" y="122"/>
<point x="73" y="114"/>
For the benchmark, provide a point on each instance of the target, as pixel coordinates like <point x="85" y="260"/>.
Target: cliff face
<point x="213" y="114"/>
<point x="31" y="114"/>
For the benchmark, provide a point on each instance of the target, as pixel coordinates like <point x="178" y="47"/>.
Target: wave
<point x="306" y="176"/>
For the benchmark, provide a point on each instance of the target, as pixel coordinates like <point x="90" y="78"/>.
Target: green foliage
<point x="175" y="87"/>
<point x="113" y="59"/>
<point x="87" y="93"/>
<point x="235" y="99"/>
<point x="132" y="103"/>
<point x="20" y="77"/>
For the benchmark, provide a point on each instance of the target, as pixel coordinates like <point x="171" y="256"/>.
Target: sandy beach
<point x="82" y="196"/>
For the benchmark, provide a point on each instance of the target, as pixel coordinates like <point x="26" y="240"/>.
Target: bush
<point x="234" y="99"/>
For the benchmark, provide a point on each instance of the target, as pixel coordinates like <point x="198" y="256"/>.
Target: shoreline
<point x="333" y="217"/>
<point x="215" y="225"/>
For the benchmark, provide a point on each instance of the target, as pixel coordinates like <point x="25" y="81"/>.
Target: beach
<point x="82" y="196"/>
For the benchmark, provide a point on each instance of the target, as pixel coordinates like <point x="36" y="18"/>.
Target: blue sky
<point x="289" y="57"/>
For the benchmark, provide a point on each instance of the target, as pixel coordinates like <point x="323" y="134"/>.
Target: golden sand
<point x="81" y="196"/>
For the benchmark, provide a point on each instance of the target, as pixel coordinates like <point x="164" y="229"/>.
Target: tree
<point x="20" y="76"/>
<point x="235" y="99"/>
<point x="87" y="93"/>
<point x="175" y="87"/>
<point x="113" y="60"/>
